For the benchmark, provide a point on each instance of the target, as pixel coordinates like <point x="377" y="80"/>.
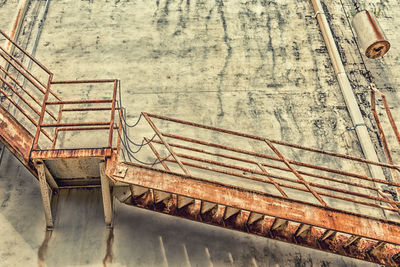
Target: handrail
<point x="350" y="187"/>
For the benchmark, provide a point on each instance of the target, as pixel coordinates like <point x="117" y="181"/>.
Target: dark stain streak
<point x="43" y="248"/>
<point x="221" y="75"/>
<point x="2" y="3"/>
<point x="187" y="5"/>
<point x="284" y="127"/>
<point x="166" y="7"/>
<point x="271" y="48"/>
<point x="254" y="108"/>
<point x="6" y="199"/>
<point x="109" y="254"/>
<point x="182" y="20"/>
<point x="296" y="51"/>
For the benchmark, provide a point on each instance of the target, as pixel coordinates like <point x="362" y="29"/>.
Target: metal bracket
<point x="120" y="171"/>
<point x="355" y="126"/>
<point x="319" y="12"/>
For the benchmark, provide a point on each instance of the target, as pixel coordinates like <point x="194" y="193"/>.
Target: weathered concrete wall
<point x="259" y="67"/>
<point x="384" y="70"/>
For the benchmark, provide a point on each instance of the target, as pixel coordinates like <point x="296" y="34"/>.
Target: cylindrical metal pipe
<point x="348" y="94"/>
<point x="370" y="35"/>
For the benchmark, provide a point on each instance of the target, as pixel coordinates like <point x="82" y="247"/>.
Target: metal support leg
<point x="105" y="191"/>
<point x="46" y="195"/>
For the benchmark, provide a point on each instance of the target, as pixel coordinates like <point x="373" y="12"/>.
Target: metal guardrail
<point x="14" y="74"/>
<point x="392" y="123"/>
<point x="31" y="93"/>
<point x="257" y="185"/>
<point x="323" y="183"/>
<point x="81" y="106"/>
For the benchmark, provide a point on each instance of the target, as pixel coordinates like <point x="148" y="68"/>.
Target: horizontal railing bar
<point x="85" y="128"/>
<point x="26" y="53"/>
<point x="271" y="140"/>
<point x="25" y="75"/>
<point x="75" y="124"/>
<point x="20" y="96"/>
<point x="20" y="64"/>
<point x="18" y="107"/>
<point x="270" y="166"/>
<point x="298" y="163"/>
<point x="283" y="185"/>
<point x="83" y="81"/>
<point x="24" y="113"/>
<point x="41" y="88"/>
<point x="78" y="102"/>
<point x="85" y="109"/>
<point x="326" y="187"/>
<point x="26" y="91"/>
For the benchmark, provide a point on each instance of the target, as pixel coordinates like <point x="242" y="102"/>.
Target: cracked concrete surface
<point x="259" y="67"/>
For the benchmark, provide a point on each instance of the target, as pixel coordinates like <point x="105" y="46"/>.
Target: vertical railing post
<point x="46" y="193"/>
<point x="106" y="194"/>
<point x="53" y="146"/>
<point x="42" y="112"/>
<point x="157" y="154"/>
<point x="119" y="130"/>
<point x="159" y="134"/>
<point x="295" y="172"/>
<point x="110" y="135"/>
<point x="381" y="132"/>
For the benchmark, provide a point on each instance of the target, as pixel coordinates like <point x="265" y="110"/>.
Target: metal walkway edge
<point x="16" y="138"/>
<point x="328" y="229"/>
<point x="217" y="176"/>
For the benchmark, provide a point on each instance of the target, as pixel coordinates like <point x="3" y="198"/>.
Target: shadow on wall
<point x="140" y="237"/>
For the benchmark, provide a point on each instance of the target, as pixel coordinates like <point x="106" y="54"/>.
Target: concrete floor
<point x="259" y="67"/>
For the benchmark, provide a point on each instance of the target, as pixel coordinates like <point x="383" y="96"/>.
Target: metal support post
<point x="46" y="192"/>
<point x="105" y="191"/>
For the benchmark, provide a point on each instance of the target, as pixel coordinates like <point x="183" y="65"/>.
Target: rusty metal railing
<point x="314" y="183"/>
<point x="392" y="123"/>
<point x="73" y="106"/>
<point x="30" y="91"/>
<point x="23" y="88"/>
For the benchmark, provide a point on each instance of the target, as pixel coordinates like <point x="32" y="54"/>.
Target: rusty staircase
<point x="220" y="177"/>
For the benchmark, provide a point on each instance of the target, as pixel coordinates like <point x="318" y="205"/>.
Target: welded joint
<point x="207" y="206"/>
<point x="229" y="212"/>
<point x="195" y="208"/>
<point x="396" y="258"/>
<point x="303" y="230"/>
<point x="160" y="196"/>
<point x="122" y="193"/>
<point x="242" y="219"/>
<point x="49" y="177"/>
<point x="219" y="213"/>
<point x="374" y="250"/>
<point x="279" y="224"/>
<point x="328" y="234"/>
<point x="351" y="241"/>
<point x="184" y="201"/>
<point x="254" y="218"/>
